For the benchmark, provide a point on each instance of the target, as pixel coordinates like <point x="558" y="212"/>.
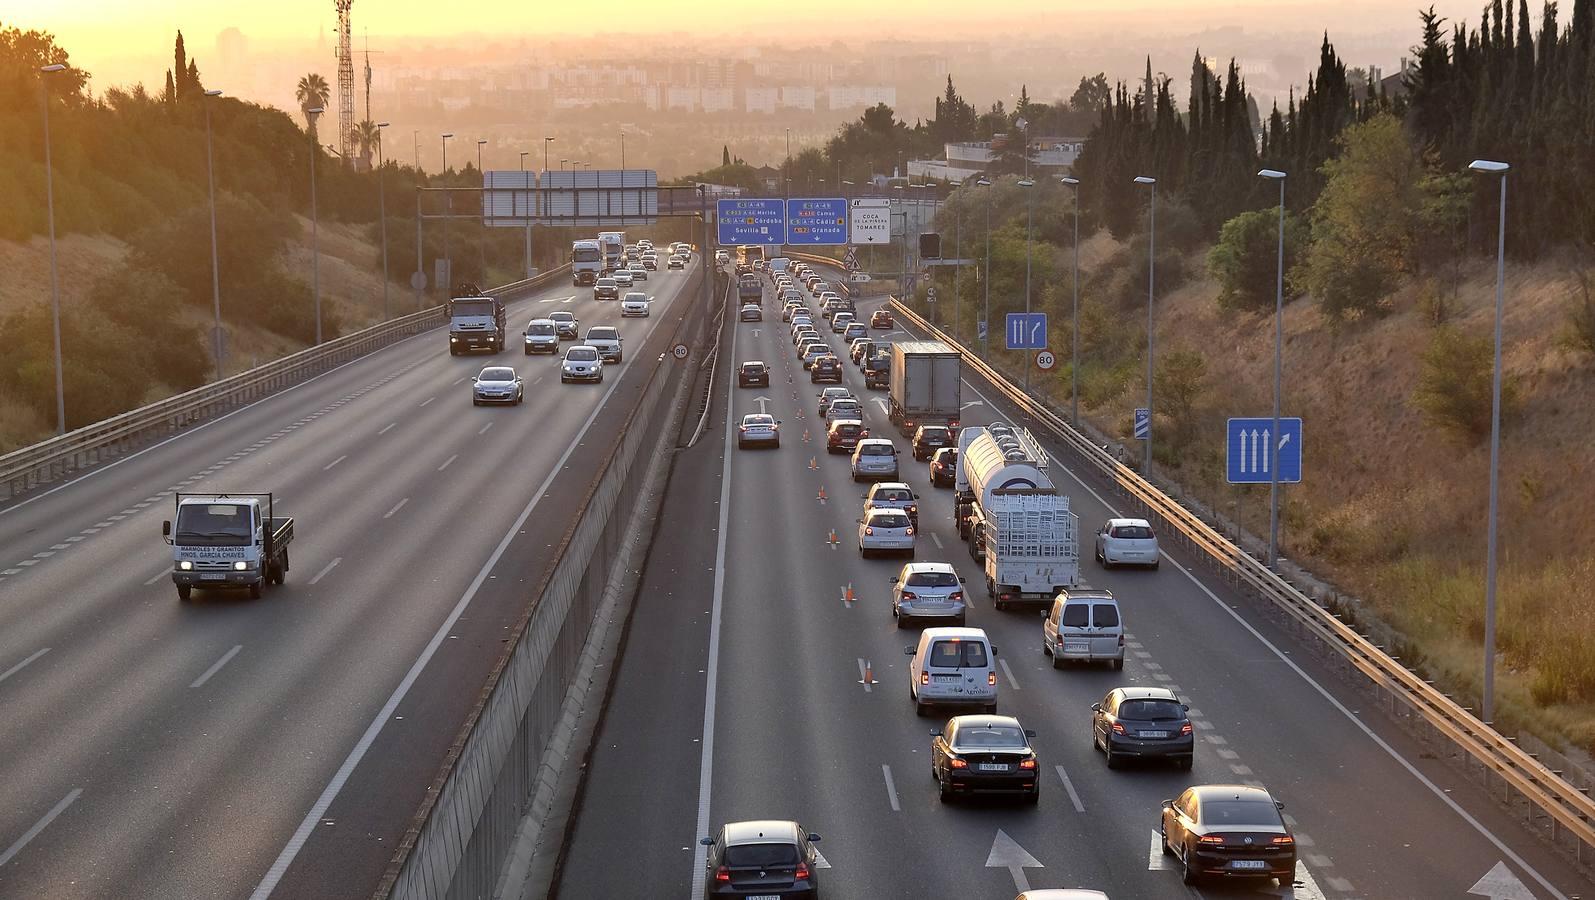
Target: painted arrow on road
<point x="1500" y="884"/>
<point x="1007" y="854"/>
<point x="884" y="408"/>
<point x="972" y="403"/>
<point x="761" y="401"/>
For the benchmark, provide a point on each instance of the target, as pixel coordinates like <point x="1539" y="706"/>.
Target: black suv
<point x="753" y="374"/>
<point x="826" y="368"/>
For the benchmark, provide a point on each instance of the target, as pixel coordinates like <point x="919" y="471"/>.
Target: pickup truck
<point x="227" y="541"/>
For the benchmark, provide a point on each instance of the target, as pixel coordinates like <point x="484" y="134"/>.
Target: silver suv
<point x="928" y="590"/>
<point x="875" y="459"/>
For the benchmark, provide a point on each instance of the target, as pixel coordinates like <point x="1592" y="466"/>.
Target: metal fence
<point x="467" y="825"/>
<point x="1568" y="808"/>
<point x="58" y="457"/>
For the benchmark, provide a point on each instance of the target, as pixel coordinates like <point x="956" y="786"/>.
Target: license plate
<point x="213" y="576"/>
<point x="764" y="897"/>
<point x="1076" y="646"/>
<point x="991" y="767"/>
<point x="1154" y="734"/>
<point x="945" y="679"/>
<point x="1248" y="864"/>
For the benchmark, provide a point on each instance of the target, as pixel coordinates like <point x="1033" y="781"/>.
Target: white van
<point x="953" y="667"/>
<point x="1084" y="625"/>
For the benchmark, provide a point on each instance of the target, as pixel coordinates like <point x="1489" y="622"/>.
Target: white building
<point x="760" y="99"/>
<point x="966" y="160"/>
<point x="683" y="98"/>
<point x="846" y="96"/>
<point x="720" y="99"/>
<point x="798" y="97"/>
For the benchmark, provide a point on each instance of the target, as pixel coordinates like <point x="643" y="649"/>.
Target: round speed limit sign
<point x="680" y="351"/>
<point x="1045" y="360"/>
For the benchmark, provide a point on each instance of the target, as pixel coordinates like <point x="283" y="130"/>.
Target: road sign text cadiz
<point x="1247" y="456"/>
<point x="816" y="221"/>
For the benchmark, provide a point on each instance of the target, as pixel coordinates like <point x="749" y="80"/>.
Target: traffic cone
<point x="821" y="496"/>
<point x="869" y="673"/>
<point x="847" y="596"/>
<point x="805" y="435"/>
<point x="814" y="462"/>
<point x="832" y="540"/>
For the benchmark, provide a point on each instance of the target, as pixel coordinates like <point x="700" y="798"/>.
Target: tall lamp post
<point x="623" y="151"/>
<point x="1151" y="283"/>
<point x="788" y="167"/>
<point x="1279" y="374"/>
<point x="542" y="194"/>
<point x="55" y="286"/>
<point x="985" y="314"/>
<point x="528" y="266"/>
<point x="481" y="222"/>
<point x="382" y="216"/>
<point x="448" y="210"/>
<point x="215" y="269"/>
<point x="315" y="219"/>
<point x="1074" y="326"/>
<point x="1030" y="205"/>
<point x="1490" y="167"/>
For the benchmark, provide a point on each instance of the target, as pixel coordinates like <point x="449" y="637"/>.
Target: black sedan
<point x="753" y="374"/>
<point x="1228" y="831"/>
<point x="1142" y="722"/>
<point x="984" y="755"/>
<point x="764" y="858"/>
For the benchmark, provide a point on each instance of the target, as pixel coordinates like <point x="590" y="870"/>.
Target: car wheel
<point x="1187" y="874"/>
<point x="1118" y="665"/>
<point x="919" y="708"/>
<point x="1184" y="763"/>
<point x="1155" y="564"/>
<point x="944" y="791"/>
<point x="184" y="592"/>
<point x="1057" y="661"/>
<point x="254" y="589"/>
<point x="618" y="358"/>
<point x="863" y="553"/>
<point x="1034" y="797"/>
<point x="1163" y="839"/>
<point x="475" y="402"/>
<point x="962" y="621"/>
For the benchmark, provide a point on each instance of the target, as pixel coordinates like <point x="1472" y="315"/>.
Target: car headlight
<point x="185" y="565"/>
<point x="240" y="566"/>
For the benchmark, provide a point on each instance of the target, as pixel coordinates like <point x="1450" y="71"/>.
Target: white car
<point x="751" y="312"/>
<point x="606" y="340"/>
<point x="815" y="350"/>
<point x="541" y="336"/>
<point x="840" y="321"/>
<point x="635" y="303"/>
<point x="886" y="530"/>
<point x="928" y="590"/>
<point x="758" y="428"/>
<point x="831" y="395"/>
<point x="497" y="384"/>
<point x="848" y="408"/>
<point x="1127" y="542"/>
<point x="581" y="364"/>
<point x="875" y="458"/>
<point x="676" y="261"/>
<point x="893" y="495"/>
<point x="721" y="257"/>
<point x="638" y="274"/>
<point x="801" y="319"/>
<point x="622" y="278"/>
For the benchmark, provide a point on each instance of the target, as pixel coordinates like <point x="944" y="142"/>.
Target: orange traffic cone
<point x="821" y="496"/>
<point x="869" y="673"/>
<point x="847" y="596"/>
<point x="832" y="540"/>
<point x="814" y="462"/>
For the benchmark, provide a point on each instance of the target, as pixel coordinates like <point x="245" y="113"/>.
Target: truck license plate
<point x="213" y="576"/>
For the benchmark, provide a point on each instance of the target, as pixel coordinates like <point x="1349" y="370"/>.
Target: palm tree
<point x="365" y="134"/>
<point x="311" y="93"/>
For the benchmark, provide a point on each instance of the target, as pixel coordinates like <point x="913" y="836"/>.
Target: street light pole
<point x="1151" y="271"/>
<point x="1074" y="326"/>
<point x="382" y="216"/>
<point x="315" y="220"/>
<point x="528" y="220"/>
<point x="1488" y="167"/>
<point x="215" y="269"/>
<point x="1030" y="205"/>
<point x="481" y="223"/>
<point x="55" y="285"/>
<point x="985" y="314"/>
<point x="1279" y="370"/>
<point x="623" y="151"/>
<point x="448" y="210"/>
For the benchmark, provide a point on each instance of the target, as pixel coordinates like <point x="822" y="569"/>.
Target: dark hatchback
<point x="1142" y="722"/>
<point x="753" y="374"/>
<point x="826" y="368"/>
<point x="844" y="435"/>
<point x="930" y="438"/>
<point x="984" y="755"/>
<point x="765" y="858"/>
<point x="944" y="467"/>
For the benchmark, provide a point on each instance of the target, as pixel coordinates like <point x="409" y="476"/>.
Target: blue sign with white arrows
<point x="1027" y="331"/>
<point x="1143" y="423"/>
<point x="750" y="221"/>
<point x="816" y="222"/>
<point x="1247" y="451"/>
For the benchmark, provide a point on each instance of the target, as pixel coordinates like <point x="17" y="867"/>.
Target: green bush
<point x="1454" y="386"/>
<point x="102" y="371"/>
<point x="1245" y="261"/>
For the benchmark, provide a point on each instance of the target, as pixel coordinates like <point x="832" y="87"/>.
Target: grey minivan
<point x="1084" y="625"/>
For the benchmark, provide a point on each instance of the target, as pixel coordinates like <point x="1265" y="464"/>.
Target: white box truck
<point x="586" y="263"/>
<point x="614" y="247"/>
<point x="1015" y="521"/>
<point x="926" y="386"/>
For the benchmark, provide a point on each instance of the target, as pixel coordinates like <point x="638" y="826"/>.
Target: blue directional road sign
<point x="751" y="221"/>
<point x="1027" y="331"/>
<point x="1246" y="451"/>
<point x="1143" y="423"/>
<point x="816" y="222"/>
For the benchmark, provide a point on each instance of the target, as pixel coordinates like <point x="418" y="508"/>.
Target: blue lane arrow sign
<point x="1027" y="331"/>
<point x="1247" y="455"/>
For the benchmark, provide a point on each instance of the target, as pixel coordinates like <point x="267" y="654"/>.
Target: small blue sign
<point x="1248" y="460"/>
<point x="750" y="221"/>
<point x="980" y="330"/>
<point x="1027" y="331"/>
<point x="1143" y="423"/>
<point x="813" y="222"/>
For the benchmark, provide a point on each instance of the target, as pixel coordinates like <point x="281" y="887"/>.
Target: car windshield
<point x="753" y="368"/>
<point x="1240" y="812"/>
<point x="214" y="524"/>
<point x="848" y="428"/>
<point x="892" y="520"/>
<point x="932" y="579"/>
<point x="470" y="307"/>
<point x="497" y="374"/>
<point x="606" y="282"/>
<point x="990" y="735"/>
<point x="958" y="654"/>
<point x="563" y="317"/>
<point x="602" y="334"/>
<point x="935" y="434"/>
<point x="758" y="420"/>
<point x="760" y="855"/>
<point x="876" y="450"/>
<point x="1133" y="532"/>
<point x="540" y="328"/>
<point x="893" y="494"/>
<point x="636" y="297"/>
<point x="1149" y="710"/>
<point x="582" y="355"/>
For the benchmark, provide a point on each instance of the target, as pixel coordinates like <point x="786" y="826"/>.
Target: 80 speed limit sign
<point x="1045" y="360"/>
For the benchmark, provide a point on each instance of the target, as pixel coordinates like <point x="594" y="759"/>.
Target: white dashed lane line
<point x="216" y="666"/>
<point x="22" y="665"/>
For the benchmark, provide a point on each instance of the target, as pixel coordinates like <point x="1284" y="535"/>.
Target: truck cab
<point x="476" y="321"/>
<point x="586" y="263"/>
<point x="227" y="541"/>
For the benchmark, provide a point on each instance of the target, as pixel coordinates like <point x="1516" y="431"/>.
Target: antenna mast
<point x="345" y="84"/>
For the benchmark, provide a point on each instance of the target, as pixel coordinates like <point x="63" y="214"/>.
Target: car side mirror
<point x="1096" y="707"/>
<point x="1186" y="707"/>
<point x="1278" y="804"/>
<point x="909" y="651"/>
<point x="166" y="531"/>
<point x="814" y="838"/>
<point x="709" y="842"/>
<point x="1168" y="804"/>
<point x="935" y="732"/>
<point x="1029" y="733"/>
<point x="859" y="521"/>
<point x="994" y="650"/>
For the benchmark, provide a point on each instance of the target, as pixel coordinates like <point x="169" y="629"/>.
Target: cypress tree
<point x="180" y="70"/>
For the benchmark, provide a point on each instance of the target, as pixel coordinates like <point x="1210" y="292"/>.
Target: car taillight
<point x="910" y="595"/>
<point x="991" y="678"/>
<point x="952" y="424"/>
<point x="722" y="874"/>
<point x="1117" y="728"/>
<point x="869" y="529"/>
<point x="1007" y="596"/>
<point x="1027" y="764"/>
<point x="1121" y="641"/>
<point x="924" y="678"/>
<point x="1185" y="729"/>
<point x="801" y="873"/>
<point x="1211" y="839"/>
<point x="909" y="531"/>
<point x="1284" y="839"/>
<point x="956" y="763"/>
<point x="908" y="424"/>
<point x="956" y="595"/>
<point x="742" y="428"/>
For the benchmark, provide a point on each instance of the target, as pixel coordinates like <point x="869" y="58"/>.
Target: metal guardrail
<point x="55" y="458"/>
<point x="1567" y="806"/>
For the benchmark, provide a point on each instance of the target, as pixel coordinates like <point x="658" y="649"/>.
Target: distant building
<point x="720" y="99"/>
<point x="769" y="177"/>
<point x="798" y="97"/>
<point x="760" y="99"/>
<point x="683" y="98"/>
<point x="844" y="96"/>
<point x="969" y="159"/>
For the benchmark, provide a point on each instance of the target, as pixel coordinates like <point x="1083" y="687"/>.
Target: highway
<point x="742" y="623"/>
<point x="225" y="747"/>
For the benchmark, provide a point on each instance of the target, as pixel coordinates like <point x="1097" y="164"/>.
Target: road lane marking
<point x="21" y="665"/>
<point x="937" y="538"/>
<point x="1157" y="860"/>
<point x="426" y="401"/>
<point x="39" y="826"/>
<point x="485" y="428"/>
<point x="330" y="566"/>
<point x="396" y="507"/>
<point x="387" y="428"/>
<point x="446" y="462"/>
<point x="891" y="788"/>
<point x="217" y="665"/>
<point x="340" y="459"/>
<point x="458" y="380"/>
<point x="164" y="573"/>
<point x="1012" y="681"/>
<point x="1069" y="786"/>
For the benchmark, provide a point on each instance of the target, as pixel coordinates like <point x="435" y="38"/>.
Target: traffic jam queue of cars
<point x="1213" y="831"/>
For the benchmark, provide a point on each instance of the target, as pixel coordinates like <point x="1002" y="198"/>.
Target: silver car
<point x="875" y="459"/>
<point x="1127" y="542"/>
<point x="885" y="529"/>
<point x="758" y="429"/>
<point x="581" y="364"/>
<point x="929" y="590"/>
<point x="541" y="336"/>
<point x="497" y="384"/>
<point x="635" y="303"/>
